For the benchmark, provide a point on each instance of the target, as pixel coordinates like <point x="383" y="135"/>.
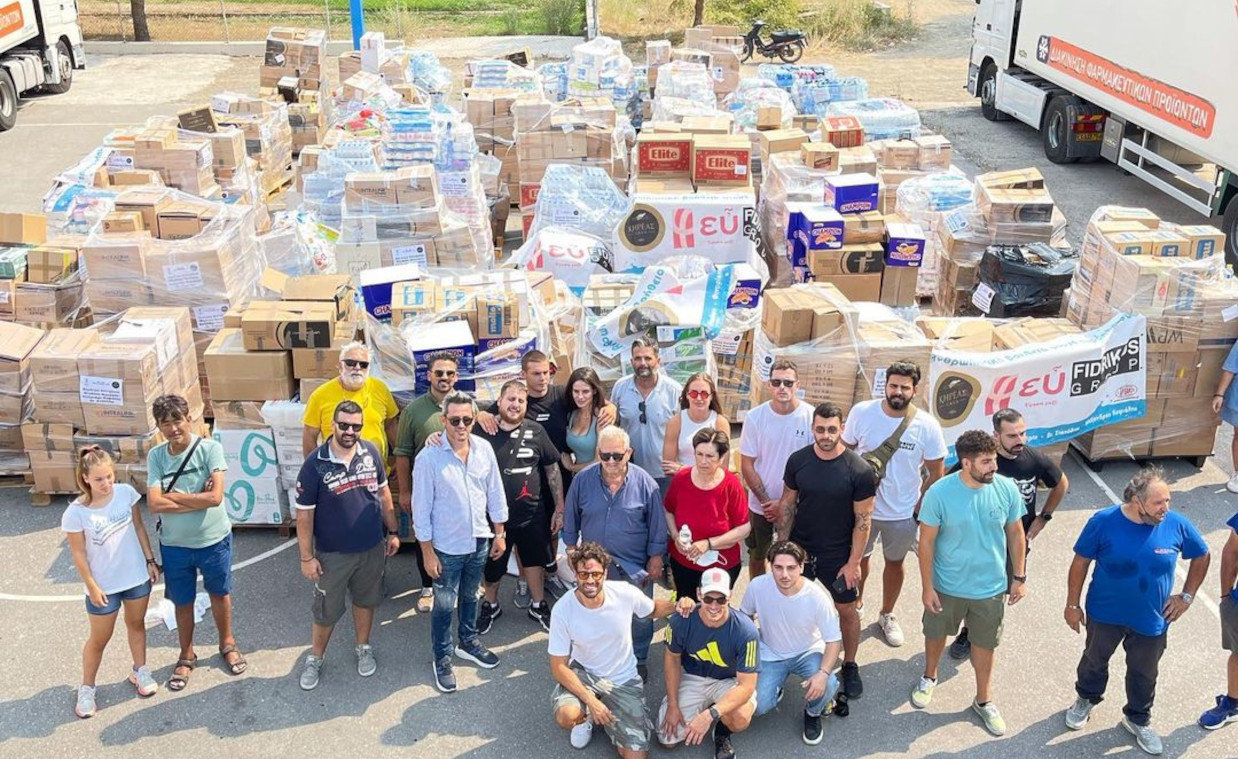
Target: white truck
<point x="1146" y="84"/>
<point x="40" y="46"/>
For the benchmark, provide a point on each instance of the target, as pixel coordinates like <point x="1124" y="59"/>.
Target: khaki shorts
<point x="983" y="617"/>
<point x="898" y="538"/>
<point x="630" y="729"/>
<point x="760" y="537"/>
<point x="1229" y="624"/>
<point x="360" y="575"/>
<point x="696" y="694"/>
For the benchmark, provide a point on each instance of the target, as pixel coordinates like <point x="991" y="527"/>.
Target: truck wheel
<point x="988" y="94"/>
<point x="1055" y="130"/>
<point x="1229" y="225"/>
<point x="8" y="101"/>
<point x="66" y="71"/>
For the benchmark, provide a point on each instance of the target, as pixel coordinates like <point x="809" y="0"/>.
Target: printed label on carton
<point x="409" y="254"/>
<point x="103" y="391"/>
<point x="209" y="318"/>
<point x="181" y="277"/>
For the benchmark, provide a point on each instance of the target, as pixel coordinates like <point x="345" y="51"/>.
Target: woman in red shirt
<point x="709" y="500"/>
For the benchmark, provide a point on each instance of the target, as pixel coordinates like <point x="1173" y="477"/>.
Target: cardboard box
<point x="376" y="284"/>
<point x="851" y="193"/>
<point x="898" y="286"/>
<point x="850" y="259"/>
<point x="721" y="160"/>
<point x="454" y="337"/>
<point x="280" y="325"/>
<point x="857" y="287"/>
<point x="1030" y="330"/>
<point x="1020" y="179"/>
<point x="410" y="299"/>
<point x="897" y="154"/>
<point x="787" y="318"/>
<point x="817" y="228"/>
<point x="16" y="343"/>
<point x="769" y="117"/>
<point x="1170" y="333"/>
<point x="53" y="362"/>
<point x="335" y="289"/>
<point x="122" y="258"/>
<point x="122" y="222"/>
<point x="146" y="202"/>
<point x="321" y="363"/>
<point x="819" y="155"/>
<point x="842" y="131"/>
<point x="1015" y="205"/>
<point x="857" y="160"/>
<point x="960" y="334"/>
<point x="663" y="154"/>
<point x="39" y="436"/>
<point x="866" y="227"/>
<point x="936" y="153"/>
<point x="179" y="221"/>
<point x="721" y="124"/>
<point x="1141" y="216"/>
<point x="781" y="141"/>
<point x="49" y="305"/>
<point x="23" y="229"/>
<point x="1203" y="240"/>
<point x="905" y="244"/>
<point x="48" y="264"/>
<point x="54" y="472"/>
<point x="237" y="374"/>
<point x="498" y="316"/>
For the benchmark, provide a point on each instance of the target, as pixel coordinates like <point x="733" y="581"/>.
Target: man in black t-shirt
<point x="529" y="467"/>
<point x="1029" y="468"/>
<point x="827" y="507"/>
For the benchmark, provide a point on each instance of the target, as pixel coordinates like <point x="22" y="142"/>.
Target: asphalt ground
<point x="506" y="712"/>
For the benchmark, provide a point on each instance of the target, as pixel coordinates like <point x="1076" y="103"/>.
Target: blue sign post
<point x="357" y="19"/>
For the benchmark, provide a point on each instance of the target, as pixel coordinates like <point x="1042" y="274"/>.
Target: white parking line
<point x="1178" y="570"/>
<point x="78" y="597"/>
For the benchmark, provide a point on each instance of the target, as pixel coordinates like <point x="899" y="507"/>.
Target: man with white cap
<point x="716" y="648"/>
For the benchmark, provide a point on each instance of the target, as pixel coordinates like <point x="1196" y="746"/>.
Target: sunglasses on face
<point x="346" y="427"/>
<point x="608" y="456"/>
<point x="590" y="575"/>
<point x="444" y="373"/>
<point x="699" y="395"/>
<point x="644" y="418"/>
<point x="712" y="600"/>
<point x="353" y="363"/>
<point x="824" y="430"/>
<point x="460" y="421"/>
<point x="782" y="383"/>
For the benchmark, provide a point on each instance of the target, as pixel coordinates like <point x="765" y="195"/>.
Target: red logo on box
<point x="670" y="156"/>
<point x="720" y="164"/>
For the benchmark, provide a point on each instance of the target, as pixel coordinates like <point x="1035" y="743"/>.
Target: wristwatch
<point x="1187" y="597"/>
<point x="1020" y="578"/>
<point x="713" y="712"/>
<point x="1045" y="515"/>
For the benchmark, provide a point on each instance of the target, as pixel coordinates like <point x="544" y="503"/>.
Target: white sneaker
<point x="890" y="629"/>
<point x="85" y="707"/>
<point x="1145" y="736"/>
<point x="582" y="734"/>
<point x="1232" y="485"/>
<point x="1079" y="713"/>
<point x="859" y="612"/>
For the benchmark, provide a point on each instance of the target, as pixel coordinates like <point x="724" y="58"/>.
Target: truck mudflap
<point x="79" y="56"/>
<point x="973" y="79"/>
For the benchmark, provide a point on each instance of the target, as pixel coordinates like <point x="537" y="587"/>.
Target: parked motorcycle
<point x="786" y="44"/>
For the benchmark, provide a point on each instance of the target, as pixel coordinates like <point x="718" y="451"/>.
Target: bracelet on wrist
<point x="306" y="561"/>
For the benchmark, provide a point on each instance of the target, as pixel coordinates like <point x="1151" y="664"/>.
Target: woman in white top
<point x="112" y="553"/>
<point x="699" y="409"/>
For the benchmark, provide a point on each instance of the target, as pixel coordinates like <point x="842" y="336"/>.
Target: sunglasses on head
<point x="644" y="418"/>
<point x="609" y="456"/>
<point x="353" y="363"/>
<point x="699" y="394"/>
<point x="460" y="421"/>
<point x="782" y="383"/>
<point x="713" y="600"/>
<point x="444" y="372"/>
<point x="346" y="427"/>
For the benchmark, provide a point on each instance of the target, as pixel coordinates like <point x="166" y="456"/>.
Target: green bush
<point x="778" y="14"/>
<point x="512" y="23"/>
<point x="562" y="16"/>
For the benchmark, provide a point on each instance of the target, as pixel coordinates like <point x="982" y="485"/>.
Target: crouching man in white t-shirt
<point x="591" y="656"/>
<point x="799" y="635"/>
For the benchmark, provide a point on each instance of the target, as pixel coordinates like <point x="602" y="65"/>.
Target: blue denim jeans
<point x="772" y="674"/>
<point x="456" y="588"/>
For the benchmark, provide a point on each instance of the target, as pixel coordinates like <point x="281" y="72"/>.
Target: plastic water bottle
<point x="685" y="538"/>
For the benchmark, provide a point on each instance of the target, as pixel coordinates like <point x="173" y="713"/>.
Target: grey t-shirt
<point x="659" y="407"/>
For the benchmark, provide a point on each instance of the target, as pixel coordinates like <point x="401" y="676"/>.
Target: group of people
<point x="640" y="490"/>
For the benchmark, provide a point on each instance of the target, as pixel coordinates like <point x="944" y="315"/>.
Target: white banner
<point x="1063" y="388"/>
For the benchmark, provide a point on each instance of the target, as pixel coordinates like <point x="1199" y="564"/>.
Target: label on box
<point x="181" y="277"/>
<point x="119" y="161"/>
<point x="719" y="73"/>
<point x="568" y="128"/>
<point x="103" y="391"/>
<point x="219" y="103"/>
<point x="956" y="221"/>
<point x="727" y="343"/>
<point x="983" y="297"/>
<point x="1230" y="313"/>
<point x="4" y="296"/>
<point x="409" y="254"/>
<point x="209" y="318"/>
<point x="879" y="383"/>
<point x="454" y="184"/>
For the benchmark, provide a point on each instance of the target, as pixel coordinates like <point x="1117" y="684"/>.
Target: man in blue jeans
<point x="185" y="488"/>
<point x="459" y="505"/>
<point x="800" y="635"/>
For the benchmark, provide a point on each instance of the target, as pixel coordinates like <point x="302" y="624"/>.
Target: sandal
<point x="238" y="665"/>
<point x="178" y="682"/>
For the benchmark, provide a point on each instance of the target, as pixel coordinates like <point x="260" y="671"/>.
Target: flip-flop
<point x="236" y="667"/>
<point x="178" y="682"/>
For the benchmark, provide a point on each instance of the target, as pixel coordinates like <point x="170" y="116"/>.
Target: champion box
<point x="663" y="154"/>
<point x="721" y="159"/>
<point x="852" y="193"/>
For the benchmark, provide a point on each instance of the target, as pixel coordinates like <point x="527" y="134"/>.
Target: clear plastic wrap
<point x="928" y="201"/>
<point x="600" y="68"/>
<point x="553" y="76"/>
<point x="882" y="118"/>
<point x="502" y="75"/>
<point x="299" y="244"/>
<point x="754" y="95"/>
<point x="285" y="419"/>
<point x="583" y="198"/>
<point x="785" y="180"/>
<point x="581" y="132"/>
<point x="428" y="74"/>
<point x="814" y="94"/>
<point x="268" y="135"/>
<point x="687" y="80"/>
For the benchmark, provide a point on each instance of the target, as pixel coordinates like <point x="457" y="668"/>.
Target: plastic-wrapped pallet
<point x="928" y="201"/>
<point x="502" y="75"/>
<point x="16" y="405"/>
<point x="599" y="68"/>
<point x="582" y="132"/>
<point x="299" y="244"/>
<point x="322" y="191"/>
<point x="286" y="421"/>
<point x="756" y="95"/>
<point x="688" y="80"/>
<point x="882" y="118"/>
<point x="813" y="93"/>
<point x="584" y="198"/>
<point x="785" y="180"/>
<point x="428" y="74"/>
<point x="554" y="80"/>
<point x="268" y="135"/>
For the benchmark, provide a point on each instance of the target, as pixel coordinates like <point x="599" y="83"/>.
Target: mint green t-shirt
<point x="969" y="558"/>
<point x="197" y="529"/>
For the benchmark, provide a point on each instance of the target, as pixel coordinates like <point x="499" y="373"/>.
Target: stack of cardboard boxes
<point x="268" y="135"/>
<point x="721" y="46"/>
<point x="292" y="72"/>
<point x="39" y="282"/>
<point x="494" y="127"/>
<point x="183" y="162"/>
<point x="17" y="342"/>
<point x="813" y="325"/>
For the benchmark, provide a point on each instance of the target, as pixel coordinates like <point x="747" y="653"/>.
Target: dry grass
<point x="645" y="19"/>
<point x="861" y="25"/>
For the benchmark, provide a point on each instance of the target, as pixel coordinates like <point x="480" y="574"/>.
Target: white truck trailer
<point x="1146" y="84"/>
<point x="40" y="46"/>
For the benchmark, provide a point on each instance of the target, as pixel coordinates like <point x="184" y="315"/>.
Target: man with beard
<point x="710" y="669"/>
<point x="827" y="505"/>
<point x="343" y="506"/>
<point x="646" y="400"/>
<point x="1028" y="467"/>
<point x="354" y="384"/>
<point x="529" y="467"/>
<point x="458" y="508"/>
<point x="970" y="524"/>
<point x="921" y="444"/>
<point x="591" y="657"/>
<point x="418" y="421"/>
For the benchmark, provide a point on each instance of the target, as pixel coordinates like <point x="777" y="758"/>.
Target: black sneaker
<point x="853" y="686"/>
<point x="722" y="742"/>
<point x="960" y="649"/>
<point x="478" y="654"/>
<point x="812" y="729"/>
<point x="444" y="675"/>
<point x="486" y="616"/>
<point x="540" y="613"/>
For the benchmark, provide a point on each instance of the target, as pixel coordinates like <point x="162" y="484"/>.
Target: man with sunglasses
<point x="772" y="432"/>
<point x="343" y="505"/>
<point x="418" y="421"/>
<point x="619" y="507"/>
<point x="591" y="656"/>
<point x="710" y="669"/>
<point x="646" y="400"/>
<point x="827" y="508"/>
<point x="460" y="515"/>
<point x="354" y="384"/>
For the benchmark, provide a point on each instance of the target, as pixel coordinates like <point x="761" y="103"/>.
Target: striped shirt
<point x="714" y="652"/>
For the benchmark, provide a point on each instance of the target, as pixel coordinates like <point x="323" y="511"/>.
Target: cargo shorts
<point x="631" y="727"/>
<point x="983" y="617"/>
<point x="359" y="575"/>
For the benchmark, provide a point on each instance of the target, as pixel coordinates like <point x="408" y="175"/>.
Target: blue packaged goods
<point x="746" y="290"/>
<point x="820" y="228"/>
<point x="905" y="244"/>
<point x="376" y="287"/>
<point x="883" y="118"/>
<point x="453" y="337"/>
<point x="852" y="193"/>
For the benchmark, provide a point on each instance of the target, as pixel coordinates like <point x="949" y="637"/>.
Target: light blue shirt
<point x="969" y="557"/>
<point x="660" y="406"/>
<point x="452" y="500"/>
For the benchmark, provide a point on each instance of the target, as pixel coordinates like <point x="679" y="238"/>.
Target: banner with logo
<point x="569" y="255"/>
<point x="1063" y="388"/>
<point x="664" y="301"/>
<point x="719" y="226"/>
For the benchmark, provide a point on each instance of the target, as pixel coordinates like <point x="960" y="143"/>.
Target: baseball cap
<point x="716" y="580"/>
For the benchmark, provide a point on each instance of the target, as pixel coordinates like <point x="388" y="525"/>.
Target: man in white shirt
<point x="922" y="444"/>
<point x="772" y="432"/>
<point x="799" y="632"/>
<point x="591" y="656"/>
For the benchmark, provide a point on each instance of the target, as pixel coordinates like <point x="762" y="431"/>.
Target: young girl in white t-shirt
<point x="112" y="554"/>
